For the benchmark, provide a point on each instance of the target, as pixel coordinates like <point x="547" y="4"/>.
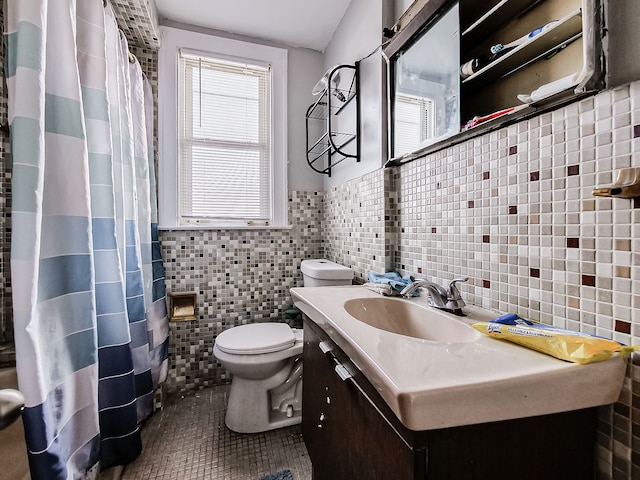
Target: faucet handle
<point x="453" y="290"/>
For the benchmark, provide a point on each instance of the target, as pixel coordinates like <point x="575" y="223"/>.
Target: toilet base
<point x="252" y="407"/>
<point x="277" y="419"/>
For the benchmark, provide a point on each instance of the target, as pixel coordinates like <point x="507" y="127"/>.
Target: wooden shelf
<point x="566" y="29"/>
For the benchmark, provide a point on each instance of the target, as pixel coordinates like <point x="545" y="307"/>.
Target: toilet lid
<point x="256" y="338"/>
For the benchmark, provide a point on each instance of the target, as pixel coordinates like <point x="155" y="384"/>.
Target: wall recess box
<point x="183" y="306"/>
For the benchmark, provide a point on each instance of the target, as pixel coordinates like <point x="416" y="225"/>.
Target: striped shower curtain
<point x="90" y="319"/>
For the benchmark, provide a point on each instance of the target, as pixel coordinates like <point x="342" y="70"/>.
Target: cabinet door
<point x="556" y="446"/>
<point x="345" y="434"/>
<point x="320" y="424"/>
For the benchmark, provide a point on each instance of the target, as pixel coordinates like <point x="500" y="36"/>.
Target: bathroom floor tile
<point x="188" y="440"/>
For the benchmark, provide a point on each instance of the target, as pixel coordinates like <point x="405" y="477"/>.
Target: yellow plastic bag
<point x="563" y="344"/>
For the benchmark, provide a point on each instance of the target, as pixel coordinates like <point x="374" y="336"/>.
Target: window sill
<point x="169" y="228"/>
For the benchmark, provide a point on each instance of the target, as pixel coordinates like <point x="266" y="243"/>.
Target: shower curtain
<point x="90" y="317"/>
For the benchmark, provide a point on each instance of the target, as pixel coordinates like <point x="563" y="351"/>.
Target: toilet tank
<point x="322" y="273"/>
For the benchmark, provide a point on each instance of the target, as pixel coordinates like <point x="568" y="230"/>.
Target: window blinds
<point x="414" y="122"/>
<point x="224" y="140"/>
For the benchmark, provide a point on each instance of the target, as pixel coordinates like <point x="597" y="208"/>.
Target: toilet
<point x="323" y="273"/>
<point x="265" y="361"/>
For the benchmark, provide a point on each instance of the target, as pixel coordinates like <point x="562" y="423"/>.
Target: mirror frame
<point x="426" y="17"/>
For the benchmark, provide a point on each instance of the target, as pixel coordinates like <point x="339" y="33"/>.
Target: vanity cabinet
<point x="477" y="65"/>
<point x="350" y="432"/>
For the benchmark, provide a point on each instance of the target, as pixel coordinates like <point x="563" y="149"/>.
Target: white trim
<point x="172" y="40"/>
<point x="222" y="227"/>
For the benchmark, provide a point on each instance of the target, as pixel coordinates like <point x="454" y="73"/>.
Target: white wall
<point x="305" y="68"/>
<point x="359" y="33"/>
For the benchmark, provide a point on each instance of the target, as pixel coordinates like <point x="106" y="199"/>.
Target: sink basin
<point x="405" y="318"/>
<point x="454" y="376"/>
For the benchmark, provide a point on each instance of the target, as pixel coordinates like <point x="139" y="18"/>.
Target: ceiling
<point x="300" y="23"/>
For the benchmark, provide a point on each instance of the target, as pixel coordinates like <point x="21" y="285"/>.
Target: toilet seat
<point x="256" y="338"/>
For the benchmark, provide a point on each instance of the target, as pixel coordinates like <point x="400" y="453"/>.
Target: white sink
<point x="405" y="318"/>
<point x="435" y="371"/>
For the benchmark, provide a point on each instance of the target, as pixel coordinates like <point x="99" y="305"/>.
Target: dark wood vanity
<point x="351" y="433"/>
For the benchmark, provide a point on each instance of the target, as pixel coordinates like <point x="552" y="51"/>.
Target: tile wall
<point x="138" y="19"/>
<point x="240" y="276"/>
<point x="513" y="210"/>
<point x="353" y="225"/>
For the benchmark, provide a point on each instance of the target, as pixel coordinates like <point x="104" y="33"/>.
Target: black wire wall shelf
<point x="325" y="146"/>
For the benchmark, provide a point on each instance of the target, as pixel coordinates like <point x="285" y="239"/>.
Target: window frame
<point x="168" y="166"/>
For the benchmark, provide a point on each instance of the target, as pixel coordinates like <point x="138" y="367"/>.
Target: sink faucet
<point x="444" y="298"/>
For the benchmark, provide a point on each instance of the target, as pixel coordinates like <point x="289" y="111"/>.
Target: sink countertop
<point x="431" y="385"/>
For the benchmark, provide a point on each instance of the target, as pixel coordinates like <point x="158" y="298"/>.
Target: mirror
<point x="426" y="94"/>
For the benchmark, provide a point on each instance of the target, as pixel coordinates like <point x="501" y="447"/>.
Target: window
<point x="224" y="139"/>
<point x="222" y="132"/>
<point x="414" y="122"/>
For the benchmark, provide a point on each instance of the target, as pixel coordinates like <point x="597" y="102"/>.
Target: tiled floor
<point x="188" y="440"/>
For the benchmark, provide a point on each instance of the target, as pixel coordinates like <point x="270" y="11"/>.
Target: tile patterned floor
<point x="188" y="440"/>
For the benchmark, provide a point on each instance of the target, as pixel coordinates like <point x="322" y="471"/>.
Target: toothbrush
<point x="504" y="48"/>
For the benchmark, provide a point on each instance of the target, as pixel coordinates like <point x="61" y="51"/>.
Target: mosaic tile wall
<point x="240" y="276"/>
<point x="353" y="226"/>
<point x="513" y="210"/>
<point x="138" y="19"/>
